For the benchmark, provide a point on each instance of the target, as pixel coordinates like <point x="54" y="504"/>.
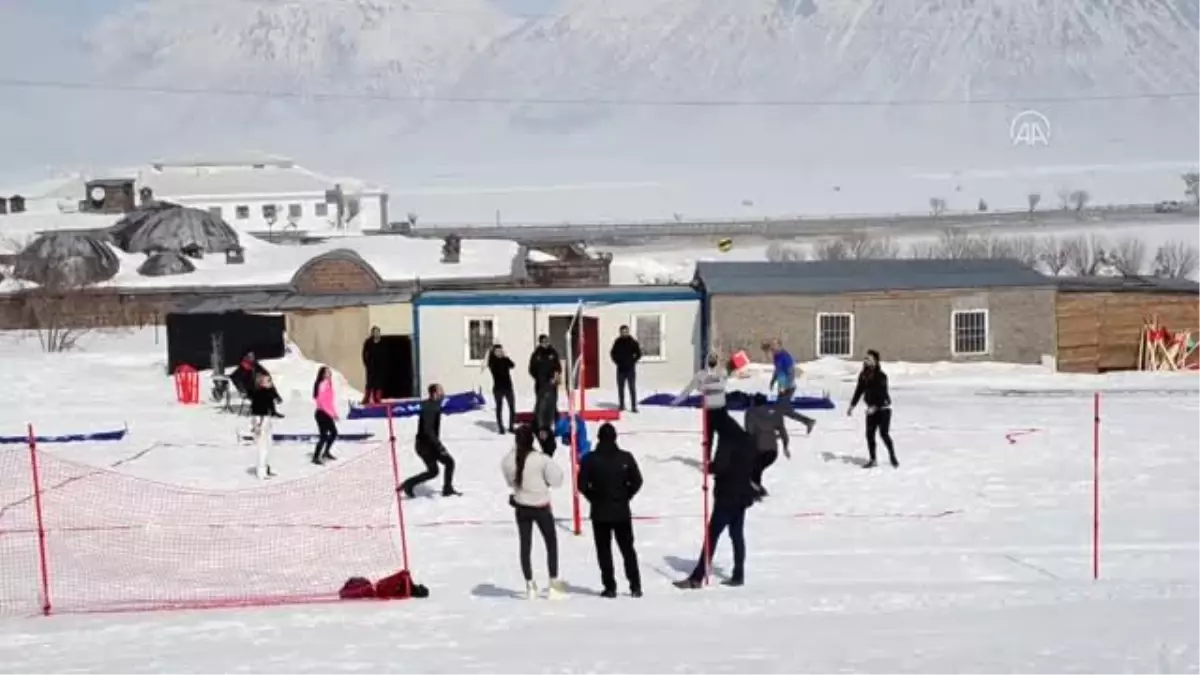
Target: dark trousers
<point x="548" y="443"/>
<point x="734" y="518"/>
<point x="373" y="392"/>
<point x="543" y="518"/>
<point x="432" y="457"/>
<point x="765" y="460"/>
<point x="327" y="433"/>
<point x="505" y="395"/>
<point x="622" y="531"/>
<point x="880" y="422"/>
<point x="627" y="377"/>
<point x="784" y="403"/>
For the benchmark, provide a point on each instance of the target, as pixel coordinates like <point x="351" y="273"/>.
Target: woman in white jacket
<point x="531" y="475"/>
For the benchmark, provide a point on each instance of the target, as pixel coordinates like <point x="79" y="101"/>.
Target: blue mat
<point x="453" y="404"/>
<point x="738" y="400"/>
<point x="68" y="438"/>
<point x="311" y="438"/>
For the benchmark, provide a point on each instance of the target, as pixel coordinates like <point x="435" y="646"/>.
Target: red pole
<point x="396" y="482"/>
<point x="572" y="415"/>
<point x="1096" y="486"/>
<point x="704" y="460"/>
<point x="41" y="524"/>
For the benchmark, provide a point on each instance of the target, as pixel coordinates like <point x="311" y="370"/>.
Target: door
<point x="559" y="327"/>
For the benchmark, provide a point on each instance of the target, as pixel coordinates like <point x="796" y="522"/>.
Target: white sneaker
<point x="557" y="590"/>
<point x="531" y="590"/>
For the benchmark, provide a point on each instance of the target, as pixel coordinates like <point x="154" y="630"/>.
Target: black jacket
<point x="501" y="368"/>
<point x="263" y="400"/>
<point x="244" y="375"/>
<point x="429" y="426"/>
<point x="765" y="424"/>
<point x="625" y="352"/>
<point x="544" y="364"/>
<point x="872" y="388"/>
<point x="733" y="465"/>
<point x="373" y="354"/>
<point x="609" y="479"/>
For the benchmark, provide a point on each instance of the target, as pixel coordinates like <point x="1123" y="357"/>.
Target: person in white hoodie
<point x="531" y="475"/>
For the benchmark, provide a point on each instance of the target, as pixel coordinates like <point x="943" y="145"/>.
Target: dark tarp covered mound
<point x="165" y="263"/>
<point x="163" y="226"/>
<point x="66" y="259"/>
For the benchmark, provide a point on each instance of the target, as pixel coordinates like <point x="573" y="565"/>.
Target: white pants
<point x="261" y="428"/>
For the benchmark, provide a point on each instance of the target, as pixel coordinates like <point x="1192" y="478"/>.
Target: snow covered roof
<point x="278" y="178"/>
<point x="17" y="229"/>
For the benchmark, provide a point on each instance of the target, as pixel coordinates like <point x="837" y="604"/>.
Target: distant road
<point x="635" y="233"/>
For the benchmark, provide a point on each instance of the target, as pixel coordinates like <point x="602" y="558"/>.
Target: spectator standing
<point x="501" y="368"/>
<point x="374" y="358"/>
<point x="609" y="479"/>
<point x="625" y="354"/>
<point x="531" y="476"/>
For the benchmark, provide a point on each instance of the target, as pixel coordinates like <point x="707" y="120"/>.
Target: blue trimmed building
<point x="454" y="330"/>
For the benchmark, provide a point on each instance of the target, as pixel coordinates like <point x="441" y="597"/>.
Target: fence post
<point x="705" y="458"/>
<point x="41" y="523"/>
<point x="1096" y="486"/>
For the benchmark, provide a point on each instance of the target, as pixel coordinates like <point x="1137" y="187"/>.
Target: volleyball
<point x="724" y="245"/>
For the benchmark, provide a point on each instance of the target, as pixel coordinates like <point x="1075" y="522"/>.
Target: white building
<point x="267" y="193"/>
<point x="454" y="330"/>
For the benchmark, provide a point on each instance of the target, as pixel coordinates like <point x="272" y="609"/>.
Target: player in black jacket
<point x="501" y="368"/>
<point x="872" y="388"/>
<point x="733" y="467"/>
<point x="609" y="479"/>
<point x="544" y="364"/>
<point x="625" y="354"/>
<point x="429" y="446"/>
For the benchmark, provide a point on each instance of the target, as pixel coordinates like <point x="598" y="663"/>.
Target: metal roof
<point x="282" y="301"/>
<point x="1135" y="284"/>
<point x="826" y="277"/>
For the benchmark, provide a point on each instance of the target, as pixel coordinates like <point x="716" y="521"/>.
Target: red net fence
<point x="113" y="542"/>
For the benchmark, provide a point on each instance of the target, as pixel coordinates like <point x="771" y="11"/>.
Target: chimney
<point x="451" y="249"/>
<point x="16" y="204"/>
<point x="146" y="195"/>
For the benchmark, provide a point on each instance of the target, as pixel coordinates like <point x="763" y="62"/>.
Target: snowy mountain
<point x="630" y="84"/>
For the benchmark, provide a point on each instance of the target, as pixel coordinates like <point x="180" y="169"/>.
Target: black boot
<point x="895" y="462"/>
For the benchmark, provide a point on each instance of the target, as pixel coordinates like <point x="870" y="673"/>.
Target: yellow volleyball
<point x="724" y="245"/>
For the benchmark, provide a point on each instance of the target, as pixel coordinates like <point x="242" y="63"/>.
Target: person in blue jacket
<point x="562" y="429"/>
<point x="784" y="380"/>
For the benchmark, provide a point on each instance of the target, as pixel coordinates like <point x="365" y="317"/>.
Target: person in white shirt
<point x="531" y="475"/>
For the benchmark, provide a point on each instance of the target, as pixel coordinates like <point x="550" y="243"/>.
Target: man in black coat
<point x="501" y="368"/>
<point x="732" y="468"/>
<point x="609" y="479"/>
<point x="429" y="446"/>
<point x="625" y="353"/>
<point x="374" y="359"/>
<point x="545" y="417"/>
<point x="544" y="364"/>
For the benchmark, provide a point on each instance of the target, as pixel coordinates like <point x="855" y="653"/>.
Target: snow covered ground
<point x="972" y="557"/>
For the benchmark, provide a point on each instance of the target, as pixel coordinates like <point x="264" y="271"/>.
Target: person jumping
<point x="764" y="422"/>
<point x="784" y="379"/>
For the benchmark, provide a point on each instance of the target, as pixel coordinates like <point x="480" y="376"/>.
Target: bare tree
<point x="956" y="244"/>
<point x="1033" y="199"/>
<point x="60" y="312"/>
<point x="784" y="252"/>
<point x="1191" y="180"/>
<point x="1085" y="256"/>
<point x="1128" y="256"/>
<point x="831" y="249"/>
<point x="983" y="205"/>
<point x="1021" y="249"/>
<point x="1052" y="254"/>
<point x="1079" y="200"/>
<point x="937" y="206"/>
<point x="1064" y="198"/>
<point x="923" y="250"/>
<point x="856" y="246"/>
<point x="1176" y="260"/>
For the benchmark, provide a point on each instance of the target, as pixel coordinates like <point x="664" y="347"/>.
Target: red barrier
<point x="187" y="385"/>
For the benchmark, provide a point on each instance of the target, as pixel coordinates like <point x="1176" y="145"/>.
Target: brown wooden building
<point x="1100" y="319"/>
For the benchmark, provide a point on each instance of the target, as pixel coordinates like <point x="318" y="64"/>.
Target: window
<point x="270" y="211"/>
<point x="969" y="331"/>
<point x="242" y="212"/>
<point x="835" y="334"/>
<point x="648" y="330"/>
<point x="481" y="335"/>
<point x="321" y="209"/>
<point x="215" y="211"/>
<point x="295" y="211"/>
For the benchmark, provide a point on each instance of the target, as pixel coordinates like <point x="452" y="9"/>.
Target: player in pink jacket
<point x="325" y="415"/>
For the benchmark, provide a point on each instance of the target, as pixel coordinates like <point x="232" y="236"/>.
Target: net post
<point x="1096" y="486"/>
<point x="391" y="427"/>
<point x="43" y="563"/>
<point x="704" y="467"/>
<point x="576" y="515"/>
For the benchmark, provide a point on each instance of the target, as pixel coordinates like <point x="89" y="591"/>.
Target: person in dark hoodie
<point x="429" y="446"/>
<point x="263" y="397"/>
<point x="872" y="389"/>
<point x="374" y="358"/>
<point x="764" y="422"/>
<point x="544" y="364"/>
<point x="245" y="375"/>
<point x="501" y="368"/>
<point x="545" y="417"/>
<point x="732" y="469"/>
<point x="625" y="354"/>
<point x="609" y="479"/>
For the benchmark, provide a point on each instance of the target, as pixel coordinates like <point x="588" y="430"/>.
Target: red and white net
<point x="116" y="543"/>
